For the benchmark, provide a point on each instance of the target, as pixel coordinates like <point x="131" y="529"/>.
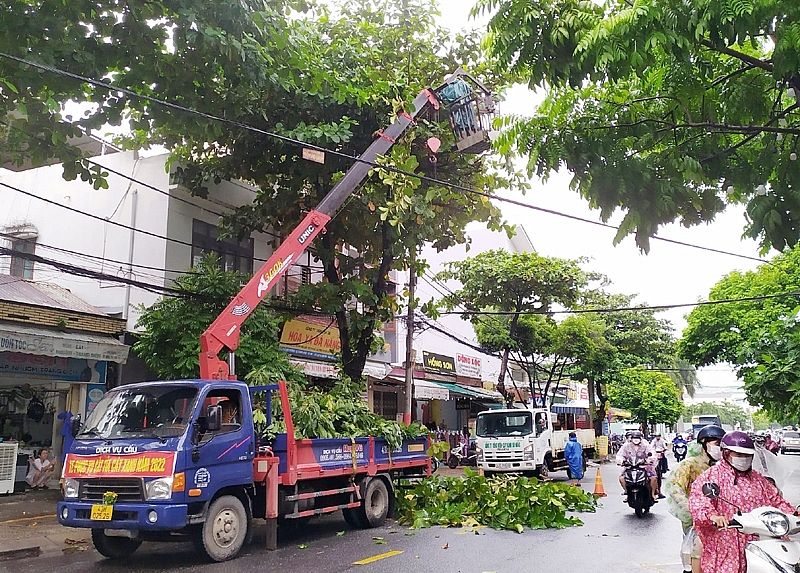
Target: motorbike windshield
<point x="500" y="424"/>
<point x="154" y="411"/>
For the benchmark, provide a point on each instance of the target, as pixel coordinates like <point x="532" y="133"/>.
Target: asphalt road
<point x="612" y="539"/>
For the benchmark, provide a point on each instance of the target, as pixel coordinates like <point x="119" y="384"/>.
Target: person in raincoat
<point x="573" y="453"/>
<point x="740" y="485"/>
<point x="701" y="455"/>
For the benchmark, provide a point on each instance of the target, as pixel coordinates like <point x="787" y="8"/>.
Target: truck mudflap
<point x="138" y="516"/>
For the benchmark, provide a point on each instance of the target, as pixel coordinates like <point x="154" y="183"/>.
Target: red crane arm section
<point x="224" y="331"/>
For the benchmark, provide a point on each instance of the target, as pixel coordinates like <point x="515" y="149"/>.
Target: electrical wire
<point x="296" y="142"/>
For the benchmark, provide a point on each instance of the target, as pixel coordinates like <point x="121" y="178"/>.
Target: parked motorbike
<point x="770" y="554"/>
<point x="679" y="448"/>
<point x="640" y="496"/>
<point x="459" y="457"/>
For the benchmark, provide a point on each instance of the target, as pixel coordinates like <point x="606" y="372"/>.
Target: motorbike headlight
<point x="159" y="489"/>
<point x="777" y="523"/>
<point x="71" y="488"/>
<point x="527" y="453"/>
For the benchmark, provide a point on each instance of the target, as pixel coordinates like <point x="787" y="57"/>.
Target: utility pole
<point x="412" y="279"/>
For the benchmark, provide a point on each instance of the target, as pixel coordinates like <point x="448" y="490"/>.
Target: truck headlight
<point x="527" y="453"/>
<point x="479" y="451"/>
<point x="71" y="488"/>
<point x="159" y="489"/>
<point x="777" y="523"/>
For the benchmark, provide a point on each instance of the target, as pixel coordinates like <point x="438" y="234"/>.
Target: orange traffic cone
<point x="599" y="491"/>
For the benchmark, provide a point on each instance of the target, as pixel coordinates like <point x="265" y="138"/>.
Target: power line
<point x="629" y="308"/>
<point x="296" y="142"/>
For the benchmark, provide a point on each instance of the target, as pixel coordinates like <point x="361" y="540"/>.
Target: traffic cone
<point x="599" y="491"/>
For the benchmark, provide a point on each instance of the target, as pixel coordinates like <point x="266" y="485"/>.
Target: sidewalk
<point x="29" y="528"/>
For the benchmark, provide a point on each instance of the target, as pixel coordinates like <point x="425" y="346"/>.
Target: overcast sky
<point x="669" y="274"/>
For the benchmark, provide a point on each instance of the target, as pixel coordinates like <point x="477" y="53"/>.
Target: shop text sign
<point x="301" y="338"/>
<point x="66" y="369"/>
<point x="144" y="464"/>
<point x="438" y="363"/>
<point x="468" y="366"/>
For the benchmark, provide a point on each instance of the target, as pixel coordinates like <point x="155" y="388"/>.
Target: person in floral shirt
<point x="701" y="455"/>
<point x="739" y="484"/>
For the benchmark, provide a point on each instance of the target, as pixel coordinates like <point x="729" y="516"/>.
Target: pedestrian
<point x="701" y="455"/>
<point x="40" y="470"/>
<point x="744" y="489"/>
<point x="573" y="453"/>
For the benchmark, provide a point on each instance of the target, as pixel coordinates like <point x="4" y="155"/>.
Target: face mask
<point x="636" y="441"/>
<point x="714" y="452"/>
<point x="741" y="464"/>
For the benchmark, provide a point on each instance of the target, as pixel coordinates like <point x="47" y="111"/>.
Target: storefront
<point x="44" y="373"/>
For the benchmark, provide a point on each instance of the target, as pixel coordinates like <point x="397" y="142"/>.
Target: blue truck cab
<point x="150" y="460"/>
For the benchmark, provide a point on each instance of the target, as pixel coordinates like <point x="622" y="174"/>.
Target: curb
<point x="23" y="553"/>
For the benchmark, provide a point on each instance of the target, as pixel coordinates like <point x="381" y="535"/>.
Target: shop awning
<point x="425" y="390"/>
<point x="492" y="395"/>
<point x="458" y="389"/>
<point x="44" y="342"/>
<point x="563" y="409"/>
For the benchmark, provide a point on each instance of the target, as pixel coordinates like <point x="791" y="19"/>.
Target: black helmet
<point x="636" y="434"/>
<point x="709" y="433"/>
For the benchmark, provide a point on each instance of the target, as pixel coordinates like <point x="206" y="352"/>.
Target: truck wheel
<point x="542" y="471"/>
<point x="225" y="528"/>
<point x="114" y="547"/>
<point x="351" y="517"/>
<point x="375" y="507"/>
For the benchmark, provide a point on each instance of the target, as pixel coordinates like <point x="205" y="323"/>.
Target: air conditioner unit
<point x="8" y="467"/>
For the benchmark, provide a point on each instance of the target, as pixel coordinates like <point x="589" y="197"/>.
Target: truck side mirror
<point x="75" y="429"/>
<point x="213" y="418"/>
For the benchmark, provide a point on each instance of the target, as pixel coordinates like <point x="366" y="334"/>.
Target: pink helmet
<point x="738" y="442"/>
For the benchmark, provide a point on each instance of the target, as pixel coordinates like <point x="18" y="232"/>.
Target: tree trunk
<point x="501" y="385"/>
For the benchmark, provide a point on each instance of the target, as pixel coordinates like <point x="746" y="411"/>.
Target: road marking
<point x="28" y="518"/>
<point x="657" y="566"/>
<point x="375" y="558"/>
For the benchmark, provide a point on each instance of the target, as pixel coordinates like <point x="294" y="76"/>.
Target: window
<point x="231" y="403"/>
<point x="20" y="266"/>
<point x="233" y="255"/>
<point x="385" y="404"/>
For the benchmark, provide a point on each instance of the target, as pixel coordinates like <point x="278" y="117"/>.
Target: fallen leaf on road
<point x="75" y="548"/>
<point x="339" y="533"/>
<point x="303" y="546"/>
<point x="380" y="542"/>
<point x="32" y="524"/>
<point x="69" y="541"/>
<point x="410" y="533"/>
<point x="378" y="538"/>
<point x="446" y="545"/>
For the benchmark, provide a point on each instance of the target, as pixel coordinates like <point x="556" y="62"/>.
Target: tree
<point x="651" y="397"/>
<point x="729" y="413"/>
<point x="330" y="81"/>
<point x="170" y="340"/>
<point x="759" y="337"/>
<point x="512" y="283"/>
<point x="763" y="421"/>
<point x="665" y="110"/>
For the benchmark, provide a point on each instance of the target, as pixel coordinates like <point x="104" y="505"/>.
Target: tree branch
<point x="755" y="62"/>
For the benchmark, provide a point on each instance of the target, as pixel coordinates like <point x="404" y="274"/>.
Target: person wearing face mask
<point x="739" y="484"/>
<point x="701" y="455"/>
<point x="638" y="449"/>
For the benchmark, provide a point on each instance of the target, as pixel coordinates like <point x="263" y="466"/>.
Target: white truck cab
<point x="523" y="441"/>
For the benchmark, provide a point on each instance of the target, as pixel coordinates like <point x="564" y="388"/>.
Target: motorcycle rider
<point x="739" y="484"/>
<point x="702" y="454"/>
<point x="678" y="443"/>
<point x="638" y="449"/>
<point x="660" y="446"/>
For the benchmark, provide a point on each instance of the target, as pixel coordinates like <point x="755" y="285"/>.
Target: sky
<point x="668" y="274"/>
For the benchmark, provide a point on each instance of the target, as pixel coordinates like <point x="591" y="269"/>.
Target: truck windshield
<point x="154" y="411"/>
<point x="504" y="424"/>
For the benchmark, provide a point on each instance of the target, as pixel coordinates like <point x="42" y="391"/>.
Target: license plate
<point x="504" y="466"/>
<point x="102" y="512"/>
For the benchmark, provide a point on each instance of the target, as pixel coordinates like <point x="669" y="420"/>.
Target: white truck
<point x="523" y="441"/>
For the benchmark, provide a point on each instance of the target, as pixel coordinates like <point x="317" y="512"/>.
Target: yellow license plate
<point x="102" y="512"/>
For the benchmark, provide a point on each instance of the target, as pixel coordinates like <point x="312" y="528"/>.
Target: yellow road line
<point x="28" y="518"/>
<point x="375" y="558"/>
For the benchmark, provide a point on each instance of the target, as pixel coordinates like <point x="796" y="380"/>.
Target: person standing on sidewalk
<point x="701" y="455"/>
<point x="573" y="453"/>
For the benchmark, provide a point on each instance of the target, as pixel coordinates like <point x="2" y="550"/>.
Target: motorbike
<point x="637" y="484"/>
<point x="771" y="553"/>
<point x="458" y="457"/>
<point x="679" y="448"/>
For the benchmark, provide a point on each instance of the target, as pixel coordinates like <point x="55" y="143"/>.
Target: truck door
<point x="544" y="430"/>
<point x="223" y="457"/>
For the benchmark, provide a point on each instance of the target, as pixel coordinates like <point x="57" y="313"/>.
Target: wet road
<point x="613" y="539"/>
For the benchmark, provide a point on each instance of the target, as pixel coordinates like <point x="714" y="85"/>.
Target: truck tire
<point x="351" y="517"/>
<point x="375" y="506"/>
<point x="225" y="528"/>
<point x="114" y="547"/>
